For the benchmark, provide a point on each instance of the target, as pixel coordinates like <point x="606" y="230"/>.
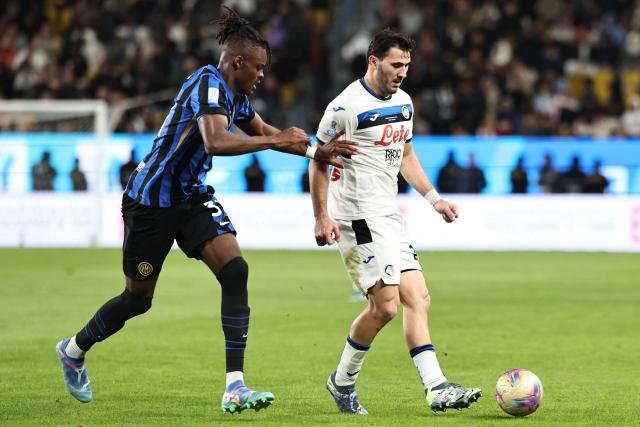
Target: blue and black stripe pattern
<point x="360" y="347"/>
<point x="235" y="330"/>
<point x="176" y="167"/>
<point x="386" y="115"/>
<point x="417" y="350"/>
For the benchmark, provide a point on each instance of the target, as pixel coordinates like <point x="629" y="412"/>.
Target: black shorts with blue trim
<point x="149" y="232"/>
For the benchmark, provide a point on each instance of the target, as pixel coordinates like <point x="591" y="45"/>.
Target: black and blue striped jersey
<point x="177" y="164"/>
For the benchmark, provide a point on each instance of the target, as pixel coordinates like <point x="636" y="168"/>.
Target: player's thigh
<point x="370" y="250"/>
<point x="208" y="234"/>
<point x="381" y="296"/>
<point x="149" y="233"/>
<point x="413" y="287"/>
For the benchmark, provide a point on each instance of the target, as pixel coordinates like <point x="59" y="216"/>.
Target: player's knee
<point x="234" y="273"/>
<point x="385" y="312"/>
<point x="135" y="304"/>
<point x="422" y="302"/>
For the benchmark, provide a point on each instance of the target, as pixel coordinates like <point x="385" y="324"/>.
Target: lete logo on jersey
<point x="390" y="136"/>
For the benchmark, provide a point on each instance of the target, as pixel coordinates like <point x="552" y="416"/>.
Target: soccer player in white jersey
<point x="376" y="114"/>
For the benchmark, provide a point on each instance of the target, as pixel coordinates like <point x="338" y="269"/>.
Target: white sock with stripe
<point x="424" y="357"/>
<point x="350" y="362"/>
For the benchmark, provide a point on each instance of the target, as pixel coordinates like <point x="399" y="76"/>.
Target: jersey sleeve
<point x="337" y="117"/>
<point x="245" y="111"/>
<point x="207" y="98"/>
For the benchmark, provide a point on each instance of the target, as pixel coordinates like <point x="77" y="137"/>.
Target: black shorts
<point x="149" y="232"/>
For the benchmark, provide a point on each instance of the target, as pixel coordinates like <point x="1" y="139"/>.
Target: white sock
<point x="234" y="376"/>
<point x="350" y="362"/>
<point x="428" y="366"/>
<point x="72" y="349"/>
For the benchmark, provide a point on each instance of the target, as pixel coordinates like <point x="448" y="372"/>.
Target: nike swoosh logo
<point x="245" y="335"/>
<point x="223" y="223"/>
<point x="374" y="117"/>
<point x="366" y="261"/>
<point x="352" y="374"/>
<point x="336" y="109"/>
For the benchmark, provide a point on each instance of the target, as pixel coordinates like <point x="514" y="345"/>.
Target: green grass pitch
<point x="573" y="319"/>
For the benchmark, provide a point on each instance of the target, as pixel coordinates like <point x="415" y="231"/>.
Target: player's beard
<point x="393" y="85"/>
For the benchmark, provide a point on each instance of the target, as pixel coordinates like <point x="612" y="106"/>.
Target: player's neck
<point x="371" y="84"/>
<point x="223" y="69"/>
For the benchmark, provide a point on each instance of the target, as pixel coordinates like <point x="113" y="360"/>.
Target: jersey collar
<point x="372" y="92"/>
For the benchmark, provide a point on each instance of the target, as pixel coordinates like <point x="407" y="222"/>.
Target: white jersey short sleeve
<point x="368" y="184"/>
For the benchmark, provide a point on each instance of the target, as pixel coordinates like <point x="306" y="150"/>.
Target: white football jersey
<point x="368" y="184"/>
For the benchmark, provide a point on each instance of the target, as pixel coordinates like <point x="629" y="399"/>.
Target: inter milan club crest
<point x="145" y="269"/>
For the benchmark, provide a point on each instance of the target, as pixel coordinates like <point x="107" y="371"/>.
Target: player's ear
<point x="373" y="61"/>
<point x="237" y="62"/>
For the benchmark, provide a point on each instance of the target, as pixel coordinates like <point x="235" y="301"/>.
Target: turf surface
<point x="573" y="319"/>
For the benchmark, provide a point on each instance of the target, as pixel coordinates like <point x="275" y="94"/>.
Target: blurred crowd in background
<point x="452" y="177"/>
<point x="492" y="67"/>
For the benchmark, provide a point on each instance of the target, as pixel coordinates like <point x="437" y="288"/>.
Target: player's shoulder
<point x="206" y="70"/>
<point x="345" y="101"/>
<point x="402" y="97"/>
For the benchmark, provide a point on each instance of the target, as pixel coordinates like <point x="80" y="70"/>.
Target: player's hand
<point x="326" y="230"/>
<point x="330" y="151"/>
<point x="448" y="210"/>
<point x="290" y="138"/>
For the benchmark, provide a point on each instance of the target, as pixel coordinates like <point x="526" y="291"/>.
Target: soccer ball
<point x="519" y="392"/>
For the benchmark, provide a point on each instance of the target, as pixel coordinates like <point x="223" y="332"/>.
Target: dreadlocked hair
<point x="236" y="31"/>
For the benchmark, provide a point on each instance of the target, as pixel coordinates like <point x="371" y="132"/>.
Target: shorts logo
<point x="393" y="156"/>
<point x="145" y="269"/>
<point x="389" y="270"/>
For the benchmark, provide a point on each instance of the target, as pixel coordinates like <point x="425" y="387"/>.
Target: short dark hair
<point x="386" y="39"/>
<point x="236" y="31"/>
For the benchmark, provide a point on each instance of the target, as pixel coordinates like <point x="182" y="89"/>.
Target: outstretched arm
<point x="414" y="174"/>
<point x="323" y="152"/>
<point x="218" y="141"/>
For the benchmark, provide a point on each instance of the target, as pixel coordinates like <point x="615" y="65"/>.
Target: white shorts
<point x="376" y="249"/>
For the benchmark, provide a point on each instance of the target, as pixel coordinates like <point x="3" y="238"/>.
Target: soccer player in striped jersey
<point x="166" y="201"/>
<point x="374" y="112"/>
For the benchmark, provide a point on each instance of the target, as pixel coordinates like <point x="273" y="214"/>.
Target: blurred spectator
<point x="449" y="175"/>
<point x="631" y="118"/>
<point x="78" y="179"/>
<point x="519" y="179"/>
<point x="548" y="180"/>
<point x="254" y="175"/>
<point x="595" y="182"/>
<point x="127" y="169"/>
<point x="573" y="180"/>
<point x="472" y="178"/>
<point x="43" y="174"/>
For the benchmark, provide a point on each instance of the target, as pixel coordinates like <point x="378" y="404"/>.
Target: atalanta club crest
<point x="405" y="112"/>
